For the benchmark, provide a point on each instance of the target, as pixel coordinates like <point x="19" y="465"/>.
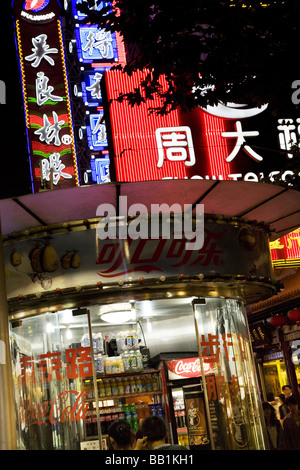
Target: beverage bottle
<point x="139" y="358"/>
<point x="144" y="383"/>
<point x="99" y="364"/>
<point x="149" y="383"/>
<point x="127" y="412"/>
<point x="154" y="381"/>
<point x="133" y="365"/>
<point x="134" y="418"/>
<point x="107" y="386"/>
<point x="101" y="389"/>
<point x="127" y="388"/>
<point x="134" y="339"/>
<point x="132" y="385"/>
<point x="139" y="387"/>
<point x="125" y="357"/>
<point x="120" y="384"/>
<point x="114" y="387"/>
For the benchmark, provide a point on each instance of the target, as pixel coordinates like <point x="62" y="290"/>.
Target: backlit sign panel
<point x="46" y="95"/>
<point x="222" y="142"/>
<point x="285" y="251"/>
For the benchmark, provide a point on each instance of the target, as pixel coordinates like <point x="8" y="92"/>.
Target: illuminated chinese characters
<point x="285" y="251"/>
<point x="46" y="98"/>
<point x="287" y="134"/>
<point x="175" y="144"/>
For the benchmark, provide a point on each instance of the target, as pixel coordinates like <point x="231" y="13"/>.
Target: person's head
<point x="286" y="390"/>
<point x="292" y="403"/>
<point x="269" y="412"/>
<point x="281" y="398"/>
<point x="154" y="429"/>
<point x="270" y="396"/>
<point x="121" y="436"/>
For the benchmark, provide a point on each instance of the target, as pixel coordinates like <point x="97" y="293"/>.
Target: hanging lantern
<point x="278" y="320"/>
<point x="294" y="315"/>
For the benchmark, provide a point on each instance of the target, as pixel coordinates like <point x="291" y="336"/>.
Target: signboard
<point x="46" y="96"/>
<point x="186" y="368"/>
<point x="285" y="251"/>
<point x="232" y="142"/>
<point x="97" y="50"/>
<point x="81" y="257"/>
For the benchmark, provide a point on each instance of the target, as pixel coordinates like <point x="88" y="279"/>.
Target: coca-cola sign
<point x="187" y="368"/>
<point x="69" y="405"/>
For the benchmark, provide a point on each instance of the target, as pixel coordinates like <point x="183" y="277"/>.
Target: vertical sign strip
<point x="47" y="105"/>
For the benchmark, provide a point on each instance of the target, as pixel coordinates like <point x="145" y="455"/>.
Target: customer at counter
<point x="154" y="433"/>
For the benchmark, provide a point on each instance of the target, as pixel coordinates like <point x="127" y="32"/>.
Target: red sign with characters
<point x="46" y="97"/>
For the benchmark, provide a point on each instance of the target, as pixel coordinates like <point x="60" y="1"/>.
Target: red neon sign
<point x="194" y="145"/>
<point x="285" y="251"/>
<point x="46" y="96"/>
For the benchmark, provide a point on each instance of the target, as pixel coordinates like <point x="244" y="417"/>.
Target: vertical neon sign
<point x="46" y="96"/>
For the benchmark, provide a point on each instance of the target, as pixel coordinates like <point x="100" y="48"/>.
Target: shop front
<point x="123" y="328"/>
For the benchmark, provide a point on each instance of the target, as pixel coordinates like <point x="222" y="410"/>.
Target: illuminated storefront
<point x="62" y="279"/>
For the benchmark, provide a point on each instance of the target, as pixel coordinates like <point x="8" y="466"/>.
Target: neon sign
<point x="285" y="251"/>
<point x="222" y="142"/>
<point x="46" y="98"/>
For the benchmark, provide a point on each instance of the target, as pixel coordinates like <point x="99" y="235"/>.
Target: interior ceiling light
<point x="118" y="313"/>
<point x="118" y="316"/>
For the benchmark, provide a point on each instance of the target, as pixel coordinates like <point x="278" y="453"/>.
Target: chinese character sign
<point x="229" y="141"/>
<point x="47" y="102"/>
<point x="285" y="251"/>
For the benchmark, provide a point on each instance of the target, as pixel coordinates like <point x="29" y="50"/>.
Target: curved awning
<point x="269" y="203"/>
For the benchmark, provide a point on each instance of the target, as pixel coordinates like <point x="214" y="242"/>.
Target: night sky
<point x="14" y="170"/>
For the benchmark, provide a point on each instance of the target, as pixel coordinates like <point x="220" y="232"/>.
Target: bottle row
<point x="132" y="385"/>
<point x="128" y="361"/>
<point x="132" y="413"/>
<point x="125" y="340"/>
<point x="128" y="385"/>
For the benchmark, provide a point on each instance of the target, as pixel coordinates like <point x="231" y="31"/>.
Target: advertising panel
<point x="232" y="142"/>
<point x="46" y="97"/>
<point x="285" y="251"/>
<point x="40" y="264"/>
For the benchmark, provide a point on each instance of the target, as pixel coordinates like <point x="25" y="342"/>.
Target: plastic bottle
<point x="138" y="381"/>
<point x="133" y="364"/>
<point x="120" y="384"/>
<point x="139" y="360"/>
<point x="107" y="386"/>
<point x="98" y="341"/>
<point x="134" y="417"/>
<point x="114" y="387"/>
<point x="125" y="357"/>
<point x="132" y="385"/>
<point x="127" y="412"/>
<point x="144" y="383"/>
<point x="99" y="364"/>
<point x="154" y="380"/>
<point x="127" y="388"/>
<point x="101" y="389"/>
<point x="148" y="383"/>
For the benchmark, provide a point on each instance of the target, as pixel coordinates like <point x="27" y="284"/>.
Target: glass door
<point x="231" y="391"/>
<point x="51" y="361"/>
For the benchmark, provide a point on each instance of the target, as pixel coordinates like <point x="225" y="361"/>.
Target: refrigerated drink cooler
<point x="184" y="399"/>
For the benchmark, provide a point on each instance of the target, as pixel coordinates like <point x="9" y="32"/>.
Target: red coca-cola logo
<point x="58" y="410"/>
<point x="189" y="367"/>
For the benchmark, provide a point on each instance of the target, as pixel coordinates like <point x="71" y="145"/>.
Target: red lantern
<point x="278" y="320"/>
<point x="294" y="315"/>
